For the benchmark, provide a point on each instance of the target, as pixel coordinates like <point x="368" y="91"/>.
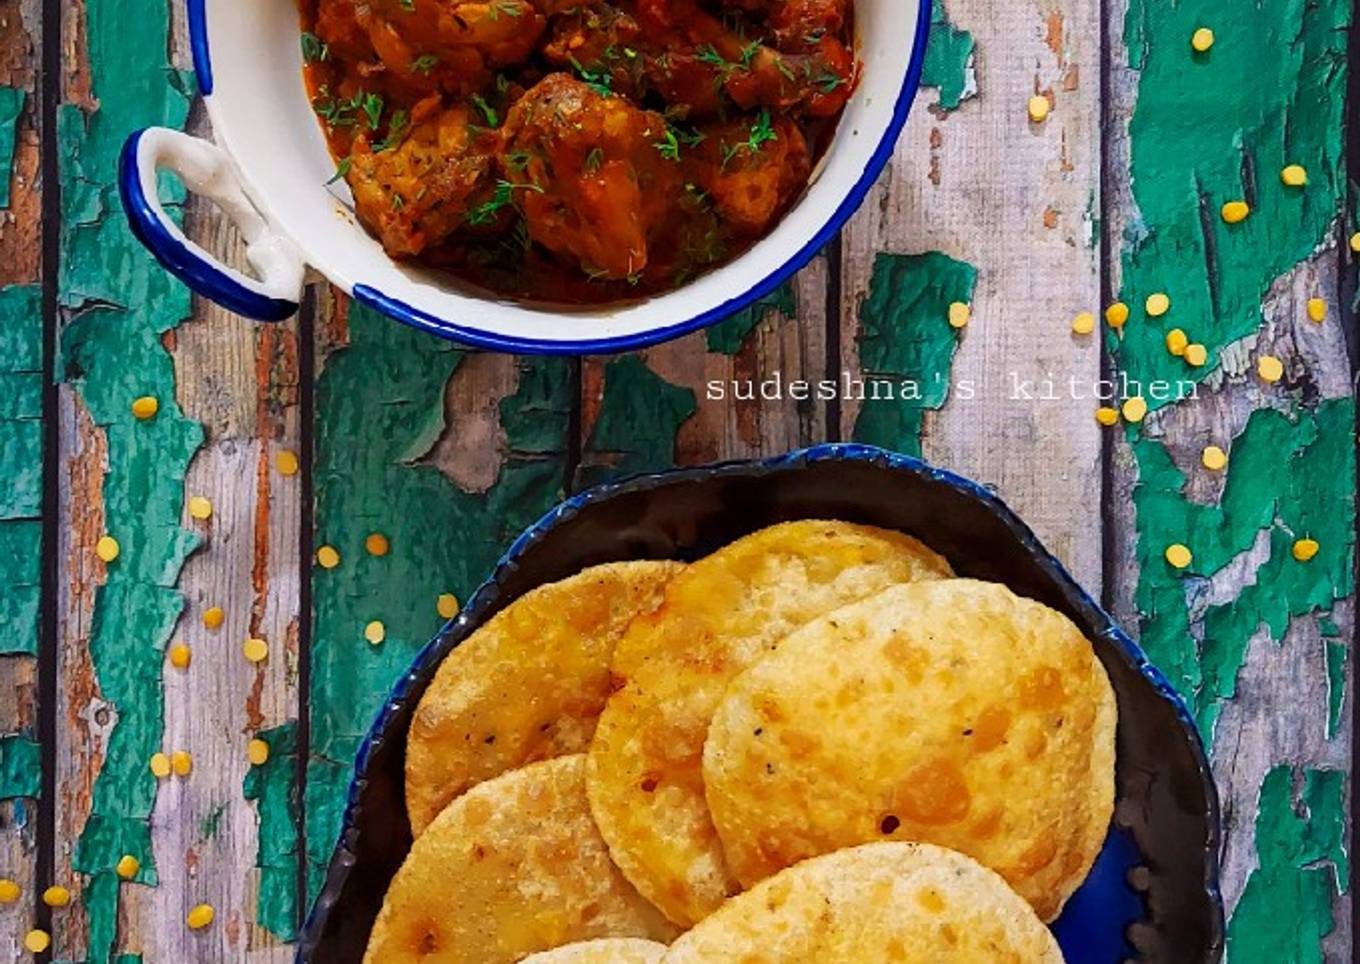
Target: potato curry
<point x="578" y="151"/>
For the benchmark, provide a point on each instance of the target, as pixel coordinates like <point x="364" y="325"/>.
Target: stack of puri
<point x="814" y="745"/>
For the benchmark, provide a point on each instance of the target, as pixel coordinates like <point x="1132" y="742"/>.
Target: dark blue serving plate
<point x="1153" y="894"/>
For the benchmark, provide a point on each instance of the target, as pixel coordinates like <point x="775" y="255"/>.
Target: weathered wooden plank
<point x="21" y="442"/>
<point x="120" y="475"/>
<point x="1257" y="640"/>
<point x="732" y="391"/>
<point x="984" y="207"/>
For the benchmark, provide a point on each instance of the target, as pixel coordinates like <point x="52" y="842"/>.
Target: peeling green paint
<point x="110" y="354"/>
<point x="640" y="416"/>
<point x="729" y="335"/>
<point x="906" y="345"/>
<point x="949" y="52"/>
<point x="273" y="787"/>
<point x="20" y="767"/>
<point x="1281" y="65"/>
<point x="11" y="106"/>
<point x="1291" y="476"/>
<point x="1286" y="908"/>
<point x="21" y="452"/>
<point x="375" y="400"/>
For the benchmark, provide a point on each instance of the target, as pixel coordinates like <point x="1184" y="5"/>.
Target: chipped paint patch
<point x="272" y="786"/>
<point x="11" y="106"/>
<point x="1302" y="867"/>
<point x="948" y="65"/>
<point x="375" y="402"/>
<point x="906" y="346"/>
<point x="20" y="767"/>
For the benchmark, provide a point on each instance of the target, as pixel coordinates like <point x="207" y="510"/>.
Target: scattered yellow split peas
<point x="56" y="896"/>
<point x="1107" y="416"/>
<point x="286" y="462"/>
<point x="1317" y="310"/>
<point x="107" y="548"/>
<point x="145" y="407"/>
<point x="1294" y="176"/>
<point x="1039" y="108"/>
<point x="257" y="752"/>
<point x="160" y="765"/>
<point x="1270" y="368"/>
<point x="375" y="632"/>
<point x="959" y="314"/>
<point x="1235" y="211"/>
<point x="1158" y="304"/>
<point x="213" y="617"/>
<point x="1176" y="341"/>
<point x="377" y="544"/>
<point x="200" y="917"/>
<point x="1117" y="314"/>
<point x="1355" y="242"/>
<point x="447" y="605"/>
<point x="200" y="508"/>
<point x="180" y="656"/>
<point x="1195" y="354"/>
<point x="36" y="941"/>
<point x="9" y="891"/>
<point x="1179" y="556"/>
<point x="1213" y="458"/>
<point x="255" y="650"/>
<point x="128" y="866"/>
<point x="182" y="763"/>
<point x="1084" y="323"/>
<point x="1135" y="409"/>
<point x="1305" y="549"/>
<point x="327" y="557"/>
<point x="1201" y="40"/>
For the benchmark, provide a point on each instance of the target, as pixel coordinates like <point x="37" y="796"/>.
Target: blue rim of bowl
<point x="487" y="593"/>
<point x="481" y="338"/>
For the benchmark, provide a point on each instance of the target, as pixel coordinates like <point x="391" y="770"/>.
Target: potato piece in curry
<point x="592" y="186"/>
<point x="417" y="193"/>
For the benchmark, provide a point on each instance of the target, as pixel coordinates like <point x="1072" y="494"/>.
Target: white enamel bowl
<point x="269" y="167"/>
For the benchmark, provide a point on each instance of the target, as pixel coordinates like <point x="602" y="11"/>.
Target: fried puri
<point x="951" y="712"/>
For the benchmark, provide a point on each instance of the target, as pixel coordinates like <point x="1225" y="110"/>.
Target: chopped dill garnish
<point x="503" y="197"/>
<point x="341" y="171"/>
<point x="593" y="161"/>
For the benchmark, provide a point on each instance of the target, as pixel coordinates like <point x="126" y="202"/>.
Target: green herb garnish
<point x="492" y="118"/>
<point x="503" y="197"/>
<point x="313" y="48"/>
<point x="424" y="64"/>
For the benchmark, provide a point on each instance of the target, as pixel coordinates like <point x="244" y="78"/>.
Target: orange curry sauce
<point x="576" y="151"/>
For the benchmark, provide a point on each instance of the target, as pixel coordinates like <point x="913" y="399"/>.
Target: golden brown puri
<point x="527" y="686"/>
<point x="719" y="616"/>
<point x="609" y="950"/>
<point x="513" y="866"/>
<point x="951" y="712"/>
<point x="900" y="902"/>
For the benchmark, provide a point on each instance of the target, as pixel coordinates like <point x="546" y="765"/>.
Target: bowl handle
<point x="206" y="169"/>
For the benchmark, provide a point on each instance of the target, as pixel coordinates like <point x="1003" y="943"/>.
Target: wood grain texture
<point x="1015" y="200"/>
<point x="20" y="275"/>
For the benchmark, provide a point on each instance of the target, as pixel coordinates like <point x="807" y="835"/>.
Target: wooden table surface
<point x="449" y="453"/>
